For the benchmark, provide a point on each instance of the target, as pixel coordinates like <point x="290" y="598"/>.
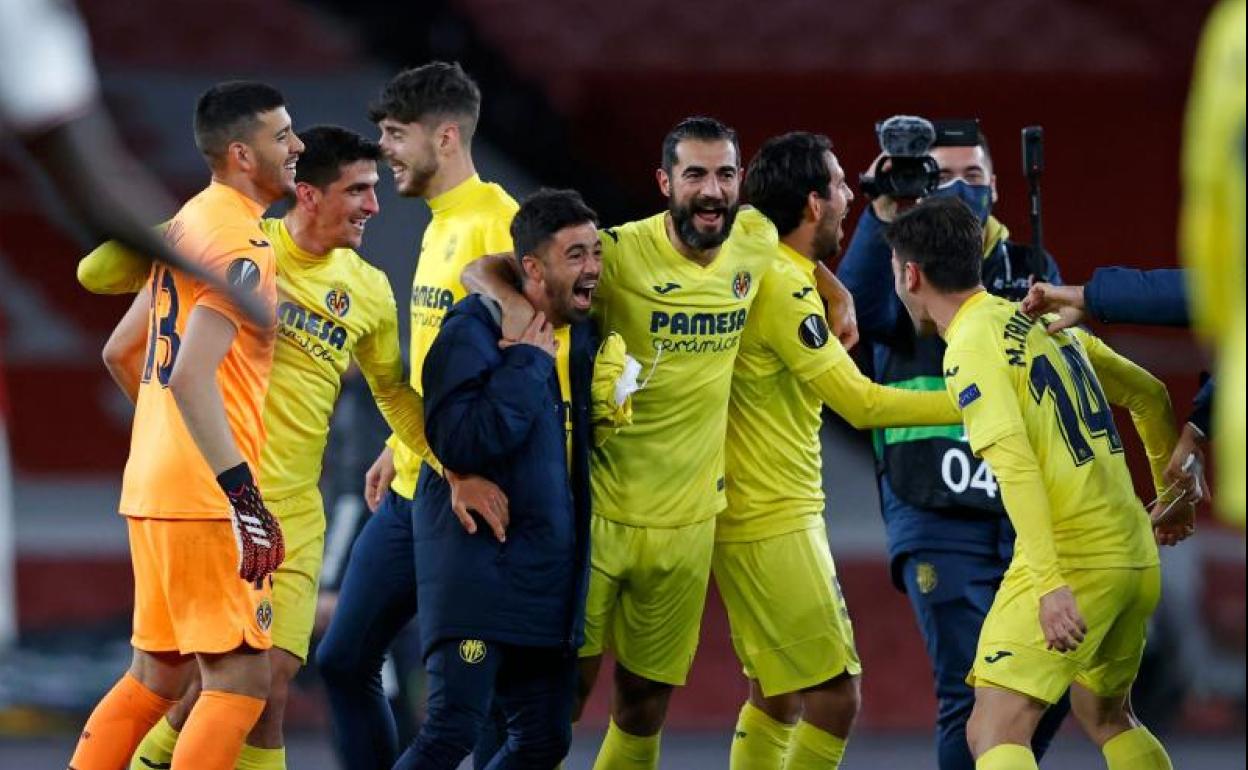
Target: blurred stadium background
<point x="578" y="93"/>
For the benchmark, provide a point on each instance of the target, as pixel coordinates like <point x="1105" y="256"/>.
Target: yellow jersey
<point x="683" y="323"/>
<point x="1212" y="232"/>
<point x="330" y="308"/>
<point x="788" y="367"/>
<point x="1010" y="378"/>
<point x="469" y="221"/>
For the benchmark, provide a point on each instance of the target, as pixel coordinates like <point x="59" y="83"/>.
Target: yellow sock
<point x="759" y="741"/>
<point x="255" y="758"/>
<point x="157" y="747"/>
<point x="813" y="749"/>
<point x="621" y="751"/>
<point x="1136" y="749"/>
<point x="1007" y="756"/>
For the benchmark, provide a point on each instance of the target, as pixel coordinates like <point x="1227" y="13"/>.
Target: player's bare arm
<point x="496" y="276"/>
<point x="193" y="383"/>
<point x="208" y="338"/>
<point x="123" y="353"/>
<point x="841" y="314"/>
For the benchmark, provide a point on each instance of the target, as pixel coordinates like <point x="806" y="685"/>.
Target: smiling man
<point x="427" y="116"/>
<point x="202" y="541"/>
<point x="333" y="307"/>
<point x="790" y="625"/>
<point x="677" y="287"/>
<point x="503" y="620"/>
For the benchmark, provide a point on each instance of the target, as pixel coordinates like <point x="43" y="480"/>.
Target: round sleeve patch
<point x="813" y="331"/>
<point x="243" y="274"/>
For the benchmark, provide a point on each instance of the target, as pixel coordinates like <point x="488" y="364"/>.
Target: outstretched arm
<point x="865" y="404"/>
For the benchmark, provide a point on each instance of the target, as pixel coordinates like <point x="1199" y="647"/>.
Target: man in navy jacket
<point x="502" y="617"/>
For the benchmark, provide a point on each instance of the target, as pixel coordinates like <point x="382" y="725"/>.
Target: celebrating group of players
<point x="718" y="473"/>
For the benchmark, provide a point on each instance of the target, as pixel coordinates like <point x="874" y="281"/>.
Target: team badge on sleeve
<point x="813" y="331"/>
<point x="243" y="274"/>
<point x="968" y="395"/>
<point x="741" y="284"/>
<point x="338" y="301"/>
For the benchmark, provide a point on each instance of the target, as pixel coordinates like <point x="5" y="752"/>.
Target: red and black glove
<point x="259" y="538"/>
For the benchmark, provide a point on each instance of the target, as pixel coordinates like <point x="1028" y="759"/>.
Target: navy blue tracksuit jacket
<point x="499" y="414"/>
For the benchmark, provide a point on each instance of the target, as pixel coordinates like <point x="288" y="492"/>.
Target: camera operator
<point x="949" y="540"/>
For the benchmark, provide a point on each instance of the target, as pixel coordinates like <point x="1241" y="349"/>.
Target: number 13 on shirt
<point x="162" y="338"/>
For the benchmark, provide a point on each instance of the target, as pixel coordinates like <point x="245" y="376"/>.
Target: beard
<point x="418" y="180"/>
<point x="562" y="310"/>
<point x="827" y="241"/>
<point x="687" y="228"/>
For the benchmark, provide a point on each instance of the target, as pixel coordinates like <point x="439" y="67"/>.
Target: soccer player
<point x="201" y="540"/>
<point x="1077" y="597"/>
<point x="1212" y="231"/>
<point x="949" y="539"/>
<point x="335" y="308"/>
<point x="677" y="287"/>
<point x="427" y="116"/>
<point x="790" y="625"/>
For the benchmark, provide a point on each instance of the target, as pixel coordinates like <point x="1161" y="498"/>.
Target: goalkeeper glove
<point x="257" y="534"/>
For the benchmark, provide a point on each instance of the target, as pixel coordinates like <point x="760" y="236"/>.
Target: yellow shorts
<point x="1116" y="605"/>
<point x="295" y="583"/>
<point x="790" y="625"/>
<point x="647" y="589"/>
<point x="188" y="596"/>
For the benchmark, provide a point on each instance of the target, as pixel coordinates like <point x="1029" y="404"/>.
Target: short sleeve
<point x="610" y="238"/>
<point x="978" y="381"/>
<point x="244" y="260"/>
<point x="795" y="326"/>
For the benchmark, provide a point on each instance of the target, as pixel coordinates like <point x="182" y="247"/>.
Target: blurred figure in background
<point x="1212" y="231"/>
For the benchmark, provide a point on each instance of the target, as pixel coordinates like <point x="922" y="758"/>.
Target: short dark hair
<point x="435" y="90"/>
<point x="545" y="213"/>
<point x="700" y="128"/>
<point x="228" y="112"/>
<point x="981" y="141"/>
<point x="326" y="149"/>
<point x="943" y="236"/>
<point x="785" y="170"/>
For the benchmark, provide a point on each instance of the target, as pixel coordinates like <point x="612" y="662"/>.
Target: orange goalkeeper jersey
<point x="166" y="476"/>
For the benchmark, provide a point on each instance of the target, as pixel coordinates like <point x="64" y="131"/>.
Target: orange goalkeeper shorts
<point x="188" y="596"/>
